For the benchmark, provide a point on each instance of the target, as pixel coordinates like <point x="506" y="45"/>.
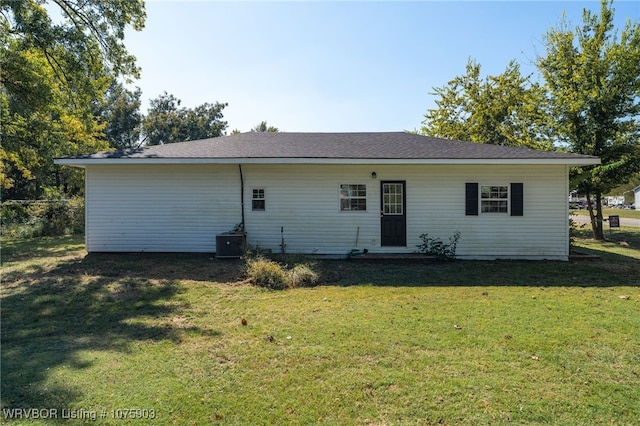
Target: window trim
<point x="507" y="200"/>
<point x="341" y="197"/>
<point x="263" y="199"/>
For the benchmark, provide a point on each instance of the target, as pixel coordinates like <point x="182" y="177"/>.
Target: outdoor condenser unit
<point x="230" y="245"/>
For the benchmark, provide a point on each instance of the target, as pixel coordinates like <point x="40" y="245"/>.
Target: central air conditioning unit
<point x="231" y="245"/>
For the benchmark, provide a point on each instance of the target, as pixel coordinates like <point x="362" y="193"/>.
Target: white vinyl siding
<point x="183" y="207"/>
<point x="160" y="208"/>
<point x="302" y="200"/>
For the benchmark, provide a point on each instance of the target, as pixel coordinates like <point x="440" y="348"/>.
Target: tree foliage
<point x="593" y="89"/>
<point x="39" y="124"/>
<point x="588" y="103"/>
<point x="166" y="122"/>
<point x="263" y="127"/>
<point x="52" y="74"/>
<point x="121" y="115"/>
<point x="501" y="110"/>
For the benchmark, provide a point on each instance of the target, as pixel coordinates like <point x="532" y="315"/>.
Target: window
<point x="257" y="200"/>
<point x="494" y="199"/>
<point x="353" y="197"/>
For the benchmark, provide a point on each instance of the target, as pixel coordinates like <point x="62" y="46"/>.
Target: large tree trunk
<point x="596" y="216"/>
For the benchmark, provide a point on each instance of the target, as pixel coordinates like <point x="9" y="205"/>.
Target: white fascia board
<point x="77" y="162"/>
<point x="65" y="162"/>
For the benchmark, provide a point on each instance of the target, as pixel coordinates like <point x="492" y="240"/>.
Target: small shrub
<point x="436" y="247"/>
<point x="14" y="213"/>
<point x="267" y="273"/>
<point x="302" y="275"/>
<point x="57" y="219"/>
<point x="22" y="219"/>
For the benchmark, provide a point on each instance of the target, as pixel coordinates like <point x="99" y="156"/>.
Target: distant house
<point x="636" y="196"/>
<point x="329" y="193"/>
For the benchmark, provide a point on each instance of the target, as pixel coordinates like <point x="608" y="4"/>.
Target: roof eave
<point x="82" y="162"/>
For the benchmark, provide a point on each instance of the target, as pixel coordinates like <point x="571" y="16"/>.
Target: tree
<point x="52" y="75"/>
<point x="593" y="89"/>
<point x="39" y="123"/>
<point x="263" y="127"/>
<point x="589" y="103"/>
<point x="122" y="118"/>
<point x="166" y="123"/>
<point x="160" y="125"/>
<point x="204" y="121"/>
<point x="500" y="110"/>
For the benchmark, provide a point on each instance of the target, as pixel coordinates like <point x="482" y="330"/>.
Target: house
<point x="330" y="193"/>
<point x="636" y="197"/>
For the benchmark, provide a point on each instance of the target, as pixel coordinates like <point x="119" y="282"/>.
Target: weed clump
<point x="272" y="275"/>
<point x="267" y="273"/>
<point x="302" y="275"/>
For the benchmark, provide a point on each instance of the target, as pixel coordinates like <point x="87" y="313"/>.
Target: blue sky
<point x="336" y="66"/>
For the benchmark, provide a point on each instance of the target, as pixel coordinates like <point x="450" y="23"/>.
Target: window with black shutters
<point x="489" y="199"/>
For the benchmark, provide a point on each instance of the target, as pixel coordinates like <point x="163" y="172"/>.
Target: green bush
<point x="14" y="213"/>
<point x="42" y="218"/>
<point x="267" y="273"/>
<point x="57" y="219"/>
<point x="574" y="229"/>
<point x="19" y="220"/>
<point x="436" y="247"/>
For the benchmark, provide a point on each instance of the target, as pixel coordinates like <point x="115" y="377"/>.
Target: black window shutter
<point x="517" y="199"/>
<point x="471" y="199"/>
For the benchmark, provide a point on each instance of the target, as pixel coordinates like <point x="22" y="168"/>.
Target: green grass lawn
<point x="451" y="343"/>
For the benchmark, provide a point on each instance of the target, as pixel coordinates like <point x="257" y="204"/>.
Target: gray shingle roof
<point x="382" y="145"/>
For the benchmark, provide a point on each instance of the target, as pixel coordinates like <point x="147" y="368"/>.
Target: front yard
<point x="124" y="338"/>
